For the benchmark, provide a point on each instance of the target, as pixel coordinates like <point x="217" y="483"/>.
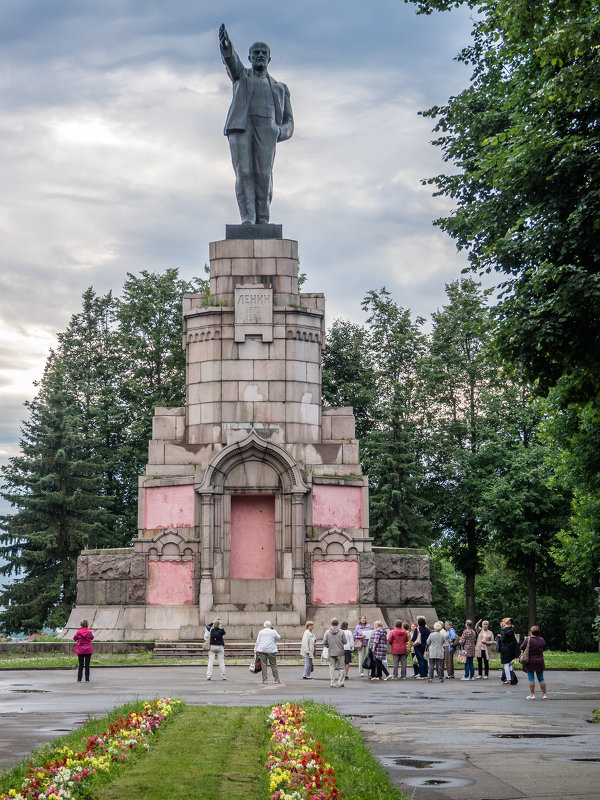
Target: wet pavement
<point x="475" y="740"/>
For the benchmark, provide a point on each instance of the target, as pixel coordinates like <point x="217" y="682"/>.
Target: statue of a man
<point x="260" y="115"/>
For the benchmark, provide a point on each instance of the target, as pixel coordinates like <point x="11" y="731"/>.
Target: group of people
<point x="431" y="651"/>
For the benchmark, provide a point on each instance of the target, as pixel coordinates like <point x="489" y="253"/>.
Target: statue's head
<point x="259" y="56"/>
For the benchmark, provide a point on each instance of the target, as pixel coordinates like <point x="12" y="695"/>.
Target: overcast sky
<point x="113" y="157"/>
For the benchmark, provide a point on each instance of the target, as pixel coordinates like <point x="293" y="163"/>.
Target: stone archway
<point x="253" y="474"/>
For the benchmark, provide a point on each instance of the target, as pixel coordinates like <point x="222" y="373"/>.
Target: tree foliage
<point x="74" y="483"/>
<point x="525" y="137"/>
<point x="58" y="490"/>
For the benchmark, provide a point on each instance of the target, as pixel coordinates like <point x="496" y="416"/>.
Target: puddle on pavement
<point x="446" y="783"/>
<point x="30" y="691"/>
<point x="415" y="763"/>
<point x="531" y="735"/>
<point x="583" y="759"/>
<point x="359" y="716"/>
<point x="421" y="762"/>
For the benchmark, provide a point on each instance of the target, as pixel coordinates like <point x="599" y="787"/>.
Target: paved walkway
<point x="476" y="740"/>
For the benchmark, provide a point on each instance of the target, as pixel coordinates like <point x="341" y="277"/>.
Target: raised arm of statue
<point x="230" y="58"/>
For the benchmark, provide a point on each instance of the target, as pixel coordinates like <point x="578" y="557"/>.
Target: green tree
<point x="525" y="139"/>
<point x="92" y="356"/>
<point x="393" y="449"/>
<point x="523" y="505"/>
<point x="153" y="358"/>
<point x="348" y="375"/>
<point x="573" y="437"/>
<point x="375" y="369"/>
<point x="461" y="380"/>
<point x="57" y="490"/>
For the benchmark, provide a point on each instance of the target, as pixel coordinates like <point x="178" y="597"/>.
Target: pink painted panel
<point x="170" y="583"/>
<point x="169" y="507"/>
<point x="252" y="536"/>
<point x="337" y="506"/>
<point x="334" y="582"/>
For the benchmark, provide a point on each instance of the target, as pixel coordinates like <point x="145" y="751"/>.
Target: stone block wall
<point x="111" y="577"/>
<point x="394" y="578"/>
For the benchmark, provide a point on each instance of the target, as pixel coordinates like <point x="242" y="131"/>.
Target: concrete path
<point x="476" y="740"/>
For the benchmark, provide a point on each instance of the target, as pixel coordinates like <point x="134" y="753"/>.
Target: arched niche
<point x="266" y="470"/>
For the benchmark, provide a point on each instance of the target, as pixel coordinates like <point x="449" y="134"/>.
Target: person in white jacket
<point x="307" y="649"/>
<point x="266" y="649"/>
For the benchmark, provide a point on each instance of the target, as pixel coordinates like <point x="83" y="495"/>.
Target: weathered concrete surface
<point x="453" y="726"/>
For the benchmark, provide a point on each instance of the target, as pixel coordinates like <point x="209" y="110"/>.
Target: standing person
<point x="83" y="650"/>
<point x="260" y="115"/>
<point x="217" y="648"/>
<point x="485" y="638"/>
<point x="334" y="640"/>
<point x="307" y="650"/>
<point x="419" y="640"/>
<point x="409" y="647"/>
<point x="467" y="642"/>
<point x="398" y="639"/>
<point x="435" y="648"/>
<point x="449" y="649"/>
<point x="378" y="648"/>
<point x="508" y="647"/>
<point x="348" y="647"/>
<point x="361" y="639"/>
<point x="266" y="649"/>
<point x="535" y="665"/>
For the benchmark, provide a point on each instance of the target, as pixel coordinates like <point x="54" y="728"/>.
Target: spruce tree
<point x="60" y="510"/>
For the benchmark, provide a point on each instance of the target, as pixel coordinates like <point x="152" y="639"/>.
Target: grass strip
<point x="15" y="777"/>
<point x="554" y="660"/>
<point x="208" y="753"/>
<point x="359" y="775"/>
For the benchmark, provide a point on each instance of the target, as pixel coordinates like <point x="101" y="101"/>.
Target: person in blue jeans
<point x="419" y="641"/>
<point x="468" y="640"/>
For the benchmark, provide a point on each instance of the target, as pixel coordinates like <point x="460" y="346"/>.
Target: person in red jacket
<point x="398" y="638"/>
<point x="84" y="649"/>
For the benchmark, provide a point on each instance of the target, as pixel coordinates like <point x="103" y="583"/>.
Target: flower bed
<point x="70" y="774"/>
<point x="296" y="765"/>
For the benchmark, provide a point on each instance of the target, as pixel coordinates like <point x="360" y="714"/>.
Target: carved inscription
<point x="253" y="306"/>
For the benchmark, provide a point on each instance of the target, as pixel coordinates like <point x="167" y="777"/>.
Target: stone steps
<point x="232" y="649"/>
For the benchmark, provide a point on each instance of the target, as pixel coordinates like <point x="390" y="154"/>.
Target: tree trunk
<point x="532" y="587"/>
<point x="470" y="593"/>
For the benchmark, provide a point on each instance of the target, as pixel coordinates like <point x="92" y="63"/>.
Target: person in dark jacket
<point x="217" y="648"/>
<point x="535" y="664"/>
<point x="419" y="640"/>
<point x="84" y="649"/>
<point x="508" y="647"/>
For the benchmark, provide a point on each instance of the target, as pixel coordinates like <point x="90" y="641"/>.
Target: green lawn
<point x="218" y="753"/>
<point x="207" y="753"/>
<point x="554" y="660"/>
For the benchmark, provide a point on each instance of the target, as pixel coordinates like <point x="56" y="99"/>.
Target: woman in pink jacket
<point x="84" y="649"/>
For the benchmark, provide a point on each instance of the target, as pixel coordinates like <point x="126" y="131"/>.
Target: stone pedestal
<point x="253" y="502"/>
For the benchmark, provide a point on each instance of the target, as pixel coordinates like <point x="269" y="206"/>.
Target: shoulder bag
<point x="524" y="655"/>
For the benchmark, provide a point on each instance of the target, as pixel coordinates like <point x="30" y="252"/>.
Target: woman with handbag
<point x="508" y="647"/>
<point x="266" y="648"/>
<point x="307" y="649"/>
<point x="378" y="649"/>
<point x="361" y="639"/>
<point x="533" y="662"/>
<point x="419" y="641"/>
<point x="398" y="639"/>
<point x="467" y="643"/>
<point x="485" y="638"/>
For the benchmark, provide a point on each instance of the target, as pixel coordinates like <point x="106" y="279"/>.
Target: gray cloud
<point x="113" y="157"/>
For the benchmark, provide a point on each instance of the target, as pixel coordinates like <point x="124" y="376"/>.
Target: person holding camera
<point x="217" y="648"/>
